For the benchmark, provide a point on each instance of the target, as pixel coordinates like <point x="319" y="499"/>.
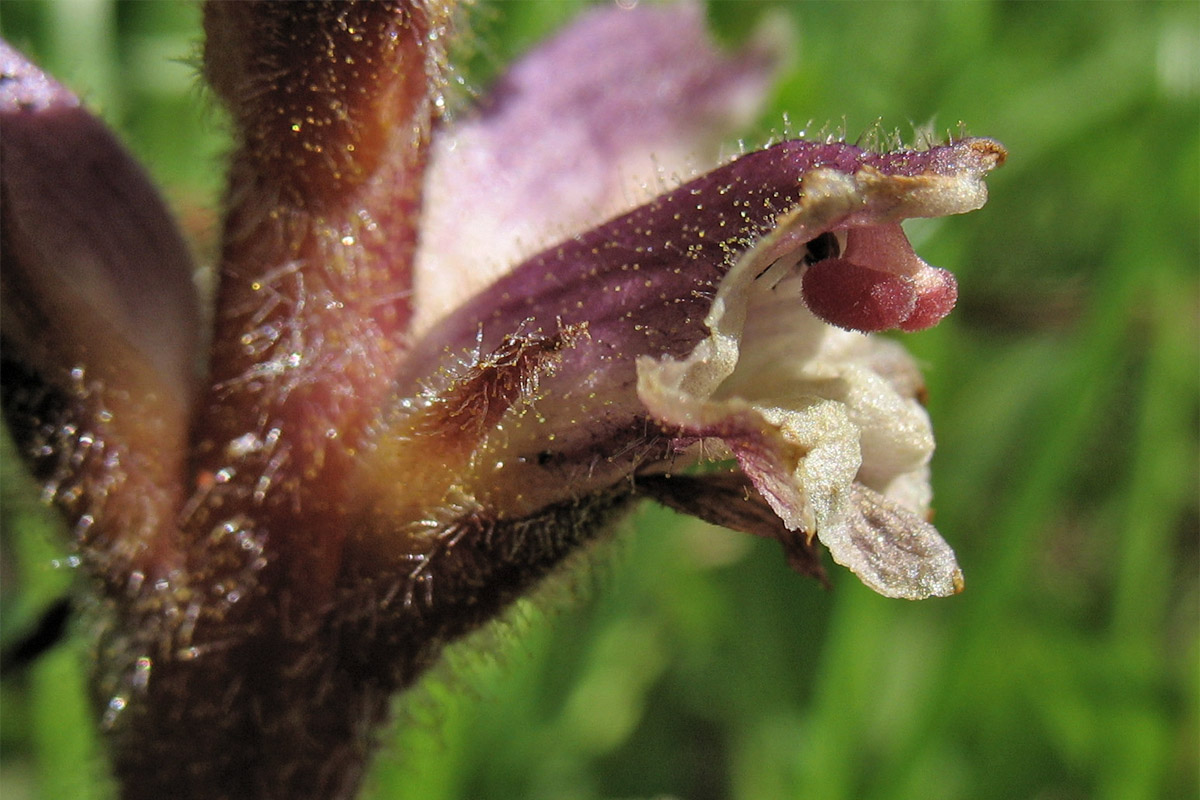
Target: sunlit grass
<point x="1063" y="391"/>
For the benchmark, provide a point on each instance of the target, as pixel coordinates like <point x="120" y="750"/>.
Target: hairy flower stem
<point x="334" y="107"/>
<point x="261" y="692"/>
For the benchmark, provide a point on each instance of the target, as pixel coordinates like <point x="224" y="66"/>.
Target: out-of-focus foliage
<point x="689" y="661"/>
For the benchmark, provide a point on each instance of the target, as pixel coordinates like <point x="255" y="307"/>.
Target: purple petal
<point x="687" y="322"/>
<point x="642" y="283"/>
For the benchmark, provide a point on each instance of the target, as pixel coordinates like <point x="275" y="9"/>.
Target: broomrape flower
<point x="442" y="356"/>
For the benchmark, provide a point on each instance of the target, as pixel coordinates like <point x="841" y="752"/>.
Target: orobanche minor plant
<point x="442" y="356"/>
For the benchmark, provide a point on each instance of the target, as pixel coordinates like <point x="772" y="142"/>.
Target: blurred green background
<point x="689" y="662"/>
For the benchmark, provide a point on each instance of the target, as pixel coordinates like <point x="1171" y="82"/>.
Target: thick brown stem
<point x="334" y="105"/>
<point x="258" y="689"/>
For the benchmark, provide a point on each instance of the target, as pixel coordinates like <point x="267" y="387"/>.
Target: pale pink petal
<point x="586" y="126"/>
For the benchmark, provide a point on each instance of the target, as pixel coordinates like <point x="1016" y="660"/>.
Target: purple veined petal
<point x="643" y="282"/>
<point x="687" y="321"/>
<point x="639" y="284"/>
<point x="893" y="550"/>
<point x="586" y="126"/>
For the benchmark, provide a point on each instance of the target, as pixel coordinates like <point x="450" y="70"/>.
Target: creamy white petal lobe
<point x="892" y="550"/>
<point x="811" y="422"/>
